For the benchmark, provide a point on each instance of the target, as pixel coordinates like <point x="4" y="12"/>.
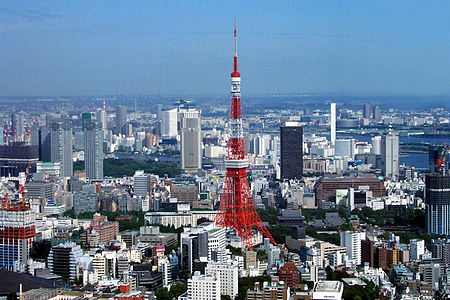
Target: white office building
<point x="345" y="148"/>
<point x="191" y="139"/>
<point x="141" y="183"/>
<point x="376" y="145"/>
<point x="416" y="249"/>
<point x="351" y="240"/>
<point x="169" y="123"/>
<point x="228" y="274"/>
<point x="328" y="289"/>
<point x="390" y="155"/>
<point x="333" y="123"/>
<point x="203" y="287"/>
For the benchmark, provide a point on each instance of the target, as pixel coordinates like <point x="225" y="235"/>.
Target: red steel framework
<point x="236" y="208"/>
<point x="17" y="227"/>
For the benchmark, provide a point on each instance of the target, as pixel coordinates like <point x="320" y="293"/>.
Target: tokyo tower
<point x="236" y="208"/>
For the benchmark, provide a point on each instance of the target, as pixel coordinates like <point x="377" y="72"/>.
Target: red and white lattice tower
<point x="236" y="208"/>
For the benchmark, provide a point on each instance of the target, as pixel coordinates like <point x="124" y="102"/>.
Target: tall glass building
<point x="93" y="149"/>
<point x="437" y="203"/>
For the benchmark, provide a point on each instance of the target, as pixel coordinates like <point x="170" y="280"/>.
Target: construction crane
<point x="441" y="160"/>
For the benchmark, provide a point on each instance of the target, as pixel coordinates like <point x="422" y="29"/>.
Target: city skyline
<point x="66" y="49"/>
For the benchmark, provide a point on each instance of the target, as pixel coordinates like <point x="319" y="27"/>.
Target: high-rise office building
<point x="169" y="123"/>
<point x="85" y="202"/>
<point x="345" y="147"/>
<point x="351" y="240"/>
<point x="121" y="119"/>
<point x="18" y="126"/>
<point x="376" y="145"/>
<point x="45" y="145"/>
<point x="439" y="158"/>
<point x="333" y="123"/>
<point x="416" y="249"/>
<point x="291" y="142"/>
<point x="61" y="146"/>
<point x="63" y="259"/>
<point x="390" y="155"/>
<point x="141" y="185"/>
<point x="261" y="144"/>
<point x="203" y="287"/>
<point x="228" y="274"/>
<point x="191" y="139"/>
<point x="17" y="231"/>
<point x="367" y="112"/>
<point x="437" y="203"/>
<point x="93" y="153"/>
<point x="102" y="116"/>
<point x="85" y="116"/>
<point x="376" y="114"/>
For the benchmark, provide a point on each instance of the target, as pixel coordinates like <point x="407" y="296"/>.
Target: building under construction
<point x="17" y="231"/>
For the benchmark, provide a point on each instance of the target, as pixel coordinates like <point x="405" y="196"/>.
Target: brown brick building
<point x="326" y="187"/>
<point x="290" y="274"/>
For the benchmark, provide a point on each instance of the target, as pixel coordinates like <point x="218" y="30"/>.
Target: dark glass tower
<point x="291" y="152"/>
<point x="437" y="203"/>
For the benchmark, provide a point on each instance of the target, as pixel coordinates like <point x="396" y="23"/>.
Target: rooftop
<point x="328" y="286"/>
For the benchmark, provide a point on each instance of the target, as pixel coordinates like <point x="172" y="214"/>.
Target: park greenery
<point x="175" y="291"/>
<point x="246" y="283"/>
<point x="392" y="217"/>
<point x="369" y="292"/>
<point x="127" y="167"/>
<point x="269" y="215"/>
<point x="320" y="233"/>
<point x="311" y="214"/>
<point x="137" y="218"/>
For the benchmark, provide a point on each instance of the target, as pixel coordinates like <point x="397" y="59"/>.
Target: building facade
<point x="291" y="152"/>
<point x="121" y="119"/>
<point x="93" y="153"/>
<point x="437" y="203"/>
<point x="191" y="139"/>
<point x="390" y="155"/>
<point x="61" y="146"/>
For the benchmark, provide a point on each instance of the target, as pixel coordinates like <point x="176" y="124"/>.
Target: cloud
<point x="16" y="19"/>
<point x="29" y="14"/>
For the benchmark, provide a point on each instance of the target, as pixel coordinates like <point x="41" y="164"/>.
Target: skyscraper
<point x="291" y="152"/>
<point x="45" y="145"/>
<point x="63" y="260"/>
<point x="61" y="146"/>
<point x="121" y="119"/>
<point x="86" y="116"/>
<point x="376" y="114"/>
<point x="345" y="147"/>
<point x="191" y="139"/>
<point x="376" y="145"/>
<point x="389" y="155"/>
<point x="169" y="123"/>
<point x="18" y="126"/>
<point x="439" y="158"/>
<point x="17" y="231"/>
<point x="333" y="123"/>
<point x="203" y="287"/>
<point x="102" y="116"/>
<point x="367" y="112"/>
<point x="437" y="203"/>
<point x="93" y="153"/>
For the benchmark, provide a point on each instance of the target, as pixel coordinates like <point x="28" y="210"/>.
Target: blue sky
<point x="185" y="47"/>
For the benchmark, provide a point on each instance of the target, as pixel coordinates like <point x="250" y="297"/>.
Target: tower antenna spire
<point x="235" y="69"/>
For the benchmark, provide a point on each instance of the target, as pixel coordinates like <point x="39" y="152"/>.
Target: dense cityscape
<point x="275" y="197"/>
